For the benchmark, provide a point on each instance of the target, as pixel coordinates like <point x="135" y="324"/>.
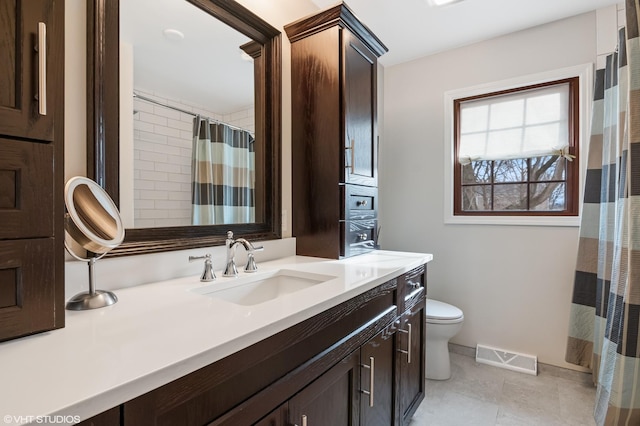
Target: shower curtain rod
<point x="153" y="101"/>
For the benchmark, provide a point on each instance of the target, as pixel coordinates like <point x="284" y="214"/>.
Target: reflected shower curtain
<point x="202" y="196"/>
<point x="223" y="174"/>
<point x="605" y="310"/>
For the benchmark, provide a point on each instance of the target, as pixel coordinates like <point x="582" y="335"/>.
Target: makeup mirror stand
<point x="93" y="298"/>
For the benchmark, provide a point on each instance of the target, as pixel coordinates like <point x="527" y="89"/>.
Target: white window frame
<point x="585" y="87"/>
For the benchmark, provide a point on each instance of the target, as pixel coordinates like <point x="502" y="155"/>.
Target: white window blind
<point x="524" y="124"/>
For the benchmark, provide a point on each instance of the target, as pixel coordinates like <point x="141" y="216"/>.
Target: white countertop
<point x="159" y="332"/>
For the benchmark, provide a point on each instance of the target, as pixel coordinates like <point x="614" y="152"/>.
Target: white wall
<point x="514" y="283"/>
<point x="75" y="94"/>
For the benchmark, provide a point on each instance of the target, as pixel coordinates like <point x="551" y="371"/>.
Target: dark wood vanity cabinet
<point x="318" y="372"/>
<point x="31" y="166"/>
<point x="334" y="133"/>
<point x="358" y="390"/>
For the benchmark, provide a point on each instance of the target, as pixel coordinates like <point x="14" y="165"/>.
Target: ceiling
<point x="412" y="28"/>
<point x="206" y="66"/>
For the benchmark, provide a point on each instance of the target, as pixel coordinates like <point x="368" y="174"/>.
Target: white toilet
<point x="443" y="321"/>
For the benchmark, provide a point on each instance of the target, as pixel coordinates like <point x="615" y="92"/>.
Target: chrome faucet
<point x="230" y="270"/>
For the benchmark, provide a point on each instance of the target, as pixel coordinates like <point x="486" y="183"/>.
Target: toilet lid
<point x="441" y="310"/>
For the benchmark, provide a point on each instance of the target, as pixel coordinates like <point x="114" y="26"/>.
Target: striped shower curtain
<point x="605" y="310"/>
<point x="223" y="171"/>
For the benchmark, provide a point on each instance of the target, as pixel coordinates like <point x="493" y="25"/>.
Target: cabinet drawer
<point x="412" y="287"/>
<point x="359" y="236"/>
<point x="361" y="202"/>
<point x="26" y="189"/>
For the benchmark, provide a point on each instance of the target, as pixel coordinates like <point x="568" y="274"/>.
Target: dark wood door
<point x="410" y="359"/>
<point x="27" y="286"/>
<point x="28" y="69"/>
<point x="332" y="399"/>
<point x="26" y="189"/>
<point x="360" y="80"/>
<point x="377" y="380"/>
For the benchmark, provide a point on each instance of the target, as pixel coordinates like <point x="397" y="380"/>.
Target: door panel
<point x="27" y="285"/>
<point x="360" y="112"/>
<point x="332" y="399"/>
<point x="22" y="61"/>
<point x="26" y="189"/>
<point x="411" y="359"/>
<point x="378" y="409"/>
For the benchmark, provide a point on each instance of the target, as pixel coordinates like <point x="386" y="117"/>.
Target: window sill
<point x="572" y="221"/>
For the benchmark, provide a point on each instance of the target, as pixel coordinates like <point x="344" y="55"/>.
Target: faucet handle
<point x="251" y="262"/>
<point x="207" y="275"/>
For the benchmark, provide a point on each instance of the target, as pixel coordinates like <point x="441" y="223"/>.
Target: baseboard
<point x="462" y="350"/>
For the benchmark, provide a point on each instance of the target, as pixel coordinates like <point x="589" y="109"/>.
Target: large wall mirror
<point x="184" y="109"/>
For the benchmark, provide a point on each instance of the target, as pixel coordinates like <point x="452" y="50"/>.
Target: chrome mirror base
<point x="86" y="300"/>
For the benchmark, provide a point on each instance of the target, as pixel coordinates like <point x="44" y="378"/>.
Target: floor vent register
<point x="505" y="359"/>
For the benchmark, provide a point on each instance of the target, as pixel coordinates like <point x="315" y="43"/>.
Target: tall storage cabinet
<point x="31" y="166"/>
<point x="334" y="133"/>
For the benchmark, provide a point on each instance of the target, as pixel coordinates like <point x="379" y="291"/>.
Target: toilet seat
<point x="442" y="313"/>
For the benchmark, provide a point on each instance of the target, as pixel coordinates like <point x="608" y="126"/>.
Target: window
<point x="515" y="151"/>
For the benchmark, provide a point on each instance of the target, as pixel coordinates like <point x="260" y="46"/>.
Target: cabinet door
<point x="26" y="189"/>
<point x="28" y="79"/>
<point x="332" y="399"/>
<point x="377" y="380"/>
<point x="410" y="358"/>
<point x="361" y="136"/>
<point x="27" y="286"/>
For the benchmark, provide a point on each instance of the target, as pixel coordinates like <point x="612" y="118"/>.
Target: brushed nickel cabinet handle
<point x="409" y="345"/>
<point x="361" y="203"/>
<point x="353" y="155"/>
<point x="304" y="420"/>
<point x="371" y="368"/>
<point x="408" y="351"/>
<point x="42" y="68"/>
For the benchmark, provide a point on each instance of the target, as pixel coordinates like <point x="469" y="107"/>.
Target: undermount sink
<point x="249" y="291"/>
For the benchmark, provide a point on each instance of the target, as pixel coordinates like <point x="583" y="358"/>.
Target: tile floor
<point x="483" y="395"/>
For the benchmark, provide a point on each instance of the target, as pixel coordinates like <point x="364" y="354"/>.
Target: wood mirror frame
<point x="103" y="124"/>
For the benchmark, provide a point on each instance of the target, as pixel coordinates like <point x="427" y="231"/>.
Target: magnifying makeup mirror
<point x="93" y="223"/>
